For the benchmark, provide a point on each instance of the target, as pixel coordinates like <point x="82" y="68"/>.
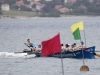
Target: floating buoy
<point x="84" y="68"/>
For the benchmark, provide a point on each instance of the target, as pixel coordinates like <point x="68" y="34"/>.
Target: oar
<point x="96" y="54"/>
<point x="33" y="50"/>
<point x="26" y="45"/>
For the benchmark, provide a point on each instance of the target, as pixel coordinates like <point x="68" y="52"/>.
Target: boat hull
<point x="88" y="53"/>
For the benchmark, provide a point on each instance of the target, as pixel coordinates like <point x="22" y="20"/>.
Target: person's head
<point x="28" y="40"/>
<point x="72" y="45"/>
<point x="67" y="45"/>
<point x="82" y="43"/>
<point x="39" y="45"/>
<point x="62" y="45"/>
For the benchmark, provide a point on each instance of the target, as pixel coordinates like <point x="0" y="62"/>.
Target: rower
<point x="31" y="45"/>
<point x="67" y="47"/>
<point x="76" y="47"/>
<point x="62" y="47"/>
<point x="82" y="45"/>
<point x="72" y="47"/>
<point x="39" y="48"/>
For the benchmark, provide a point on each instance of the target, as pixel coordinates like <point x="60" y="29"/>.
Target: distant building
<point x="28" y="0"/>
<point x="65" y="1"/>
<point x="97" y="1"/>
<point x="5" y="7"/>
<point x="69" y="1"/>
<point x="64" y="10"/>
<point x="39" y="6"/>
<point x="37" y="0"/>
<point x="40" y="0"/>
<point x="48" y="0"/>
<point x="20" y="2"/>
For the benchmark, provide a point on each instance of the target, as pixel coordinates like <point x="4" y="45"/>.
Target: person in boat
<point x="72" y="48"/>
<point x="67" y="47"/>
<point x="76" y="47"/>
<point x="31" y="45"/>
<point x="62" y="47"/>
<point x="82" y="45"/>
<point x="39" y="48"/>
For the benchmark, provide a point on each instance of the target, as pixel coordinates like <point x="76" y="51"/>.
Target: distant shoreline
<point x="25" y="17"/>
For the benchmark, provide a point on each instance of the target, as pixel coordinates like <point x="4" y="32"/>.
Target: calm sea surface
<point x="15" y="32"/>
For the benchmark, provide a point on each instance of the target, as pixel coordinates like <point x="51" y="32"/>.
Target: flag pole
<point x="84" y="38"/>
<point x="84" y="67"/>
<point x="82" y="55"/>
<point x="62" y="61"/>
<point x="62" y="64"/>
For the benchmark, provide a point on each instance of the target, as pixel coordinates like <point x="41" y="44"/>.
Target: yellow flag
<point x="77" y="25"/>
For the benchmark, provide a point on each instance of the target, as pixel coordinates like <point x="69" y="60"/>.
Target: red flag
<point x="51" y="46"/>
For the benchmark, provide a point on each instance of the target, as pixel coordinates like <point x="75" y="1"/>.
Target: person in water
<point x="31" y="45"/>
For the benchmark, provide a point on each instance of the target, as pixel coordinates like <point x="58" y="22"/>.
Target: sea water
<point x="15" y="32"/>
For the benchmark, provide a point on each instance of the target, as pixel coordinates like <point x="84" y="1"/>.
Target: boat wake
<point x="16" y="55"/>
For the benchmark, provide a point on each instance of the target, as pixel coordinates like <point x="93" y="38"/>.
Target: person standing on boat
<point x="31" y="45"/>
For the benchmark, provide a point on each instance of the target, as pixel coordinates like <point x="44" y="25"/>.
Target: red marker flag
<point x="51" y="46"/>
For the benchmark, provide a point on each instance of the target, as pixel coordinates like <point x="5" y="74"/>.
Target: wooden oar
<point x="28" y="47"/>
<point x="96" y="54"/>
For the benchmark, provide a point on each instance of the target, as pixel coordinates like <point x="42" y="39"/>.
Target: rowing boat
<point x="88" y="53"/>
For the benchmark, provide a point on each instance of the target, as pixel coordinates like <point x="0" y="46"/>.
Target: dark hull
<point x="88" y="53"/>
